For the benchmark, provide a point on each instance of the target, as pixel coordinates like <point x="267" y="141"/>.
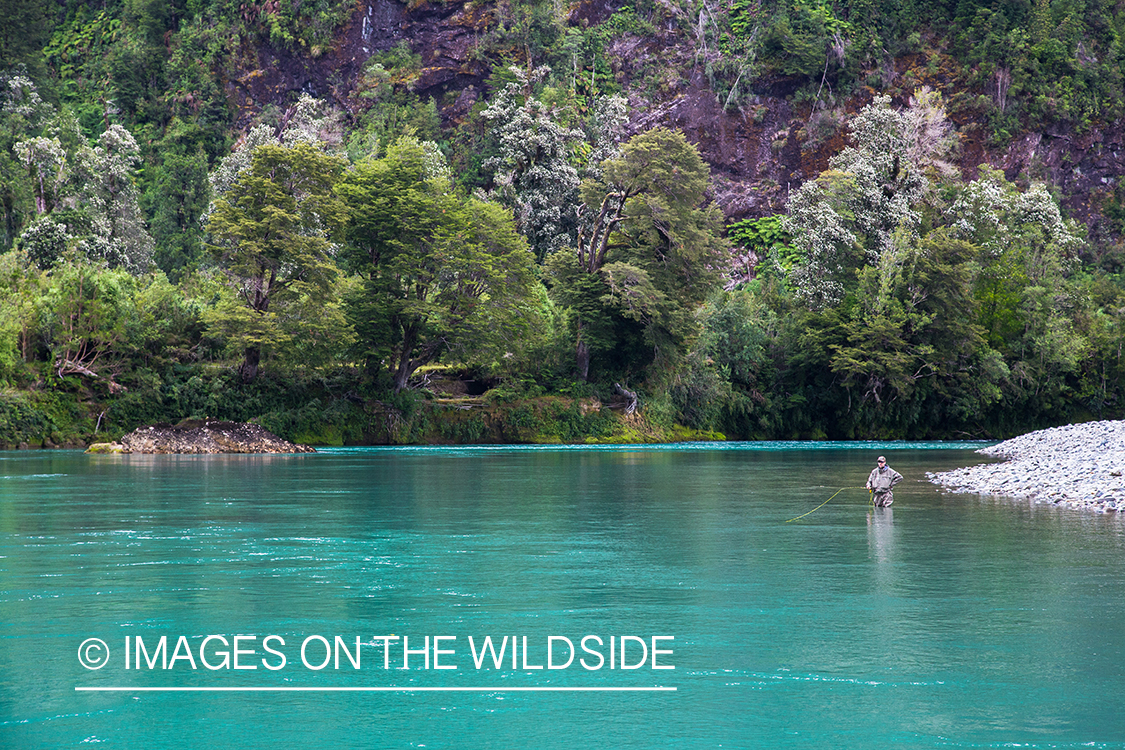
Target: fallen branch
<point x="631" y="395"/>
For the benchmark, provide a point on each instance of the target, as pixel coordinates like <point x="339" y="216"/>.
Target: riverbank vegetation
<point x="544" y="269"/>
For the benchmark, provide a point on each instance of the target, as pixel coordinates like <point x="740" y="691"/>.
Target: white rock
<point x="1079" y="466"/>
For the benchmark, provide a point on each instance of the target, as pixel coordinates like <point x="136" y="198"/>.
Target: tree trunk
<point x="583" y="358"/>
<point x="405" y="368"/>
<point x="248" y="370"/>
<point x="402" y="373"/>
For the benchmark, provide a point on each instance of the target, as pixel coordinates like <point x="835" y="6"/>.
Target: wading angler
<point x="880" y="482"/>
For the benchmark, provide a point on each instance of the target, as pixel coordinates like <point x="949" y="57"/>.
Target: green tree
<point x="23" y="33"/>
<point x="724" y="377"/>
<point x="87" y="309"/>
<point x="309" y="121"/>
<point x="1024" y="241"/>
<point x="442" y="273"/>
<point x="20" y="290"/>
<point x="804" y="38"/>
<point x="911" y="335"/>
<point x="270" y="236"/>
<point x="177" y="198"/>
<point x="649" y="250"/>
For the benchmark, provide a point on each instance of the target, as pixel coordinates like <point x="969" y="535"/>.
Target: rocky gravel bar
<point x="201" y="436"/>
<point x="1076" y="466"/>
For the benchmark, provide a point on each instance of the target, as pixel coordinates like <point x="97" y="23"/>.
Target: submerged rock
<point x="201" y="436"/>
<point x="1075" y="466"/>
<point x="107" y="448"/>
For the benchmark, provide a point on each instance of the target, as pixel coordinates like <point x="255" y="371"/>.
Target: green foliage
<point x="305" y="26"/>
<point x="552" y="419"/>
<point x="526" y="28"/>
<point x="335" y="423"/>
<point x="1043" y="64"/>
<point x="21" y="420"/>
<point x="84" y="319"/>
<point x="390" y="105"/>
<point x="44" y="242"/>
<point x="758" y="234"/>
<point x="893" y="300"/>
<point x="1026" y="243"/>
<point x="23" y="34"/>
<point x="80" y="57"/>
<point x="745" y="16"/>
<point x="20" y="289"/>
<point x="443" y="273"/>
<point x="21" y="110"/>
<point x="270" y="240"/>
<point x="598" y="331"/>
<point x="978" y="325"/>
<point x="177" y="198"/>
<point x="911" y="330"/>
<point x="760" y="246"/>
<point x="805" y="38"/>
<point x="647" y="253"/>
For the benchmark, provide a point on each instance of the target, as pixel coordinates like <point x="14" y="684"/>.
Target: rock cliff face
<point x="443" y="34"/>
<point x="197" y="436"/>
<point x="759" y="152"/>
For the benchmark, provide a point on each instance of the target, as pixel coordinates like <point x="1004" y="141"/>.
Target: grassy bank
<point x="327" y="412"/>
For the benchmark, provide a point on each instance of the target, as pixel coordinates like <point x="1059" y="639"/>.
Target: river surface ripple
<point x="944" y="621"/>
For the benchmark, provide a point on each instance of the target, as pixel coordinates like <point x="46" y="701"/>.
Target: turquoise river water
<point x="277" y="583"/>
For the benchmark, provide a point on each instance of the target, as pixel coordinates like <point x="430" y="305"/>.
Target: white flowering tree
<point x="45" y="241"/>
<point x="542" y="162"/>
<point x="94" y="185"/>
<point x="978" y="309"/>
<point x="97" y="186"/>
<point x="109" y="193"/>
<point x="23" y="197"/>
<point x="1026" y="249"/>
<point x="45" y="162"/>
<point x="605" y="133"/>
<point x="852" y="213"/>
<point x="532" y="174"/>
<point x="1002" y="220"/>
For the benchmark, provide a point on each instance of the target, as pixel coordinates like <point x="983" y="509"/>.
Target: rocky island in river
<point x="201" y="436"/>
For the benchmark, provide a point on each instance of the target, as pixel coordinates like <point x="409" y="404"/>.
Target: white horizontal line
<point x="373" y="689"/>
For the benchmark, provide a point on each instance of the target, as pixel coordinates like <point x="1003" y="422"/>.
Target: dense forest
<point x="369" y="222"/>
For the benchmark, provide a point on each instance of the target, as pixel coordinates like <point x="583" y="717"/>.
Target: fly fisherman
<point x="882" y="479"/>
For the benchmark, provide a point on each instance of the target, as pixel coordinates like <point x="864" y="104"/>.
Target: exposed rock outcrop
<point x="199" y="436"/>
